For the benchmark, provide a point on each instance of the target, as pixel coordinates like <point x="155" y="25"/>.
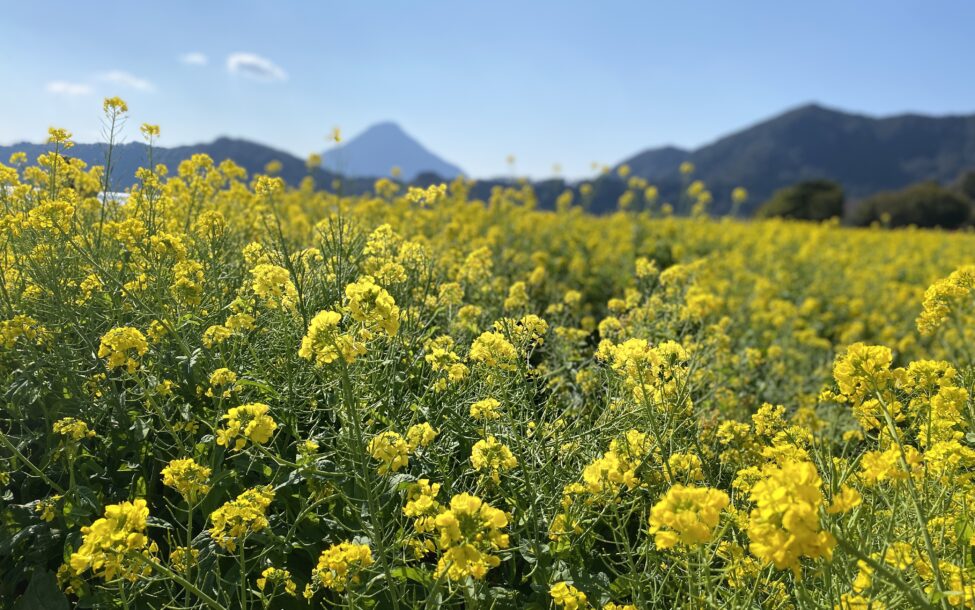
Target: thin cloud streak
<point x="120" y="77"/>
<point x="194" y="59"/>
<point x="60" y="87"/>
<point x="256" y="67"/>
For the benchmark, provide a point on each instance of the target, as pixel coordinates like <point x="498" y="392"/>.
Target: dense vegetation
<point x="223" y="392"/>
<point x="922" y="205"/>
<point x="815" y="200"/>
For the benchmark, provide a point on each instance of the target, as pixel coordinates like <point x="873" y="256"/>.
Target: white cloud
<point x="255" y="66"/>
<point x="194" y="59"/>
<point x="60" y="87"/>
<point x="119" y="77"/>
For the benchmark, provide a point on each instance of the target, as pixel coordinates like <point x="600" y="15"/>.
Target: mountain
<point x="378" y="149"/>
<point x="864" y="154"/>
<point x="126" y="158"/>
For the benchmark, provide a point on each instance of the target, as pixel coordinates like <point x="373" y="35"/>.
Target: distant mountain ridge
<point x="378" y="149"/>
<point x="864" y="154"/>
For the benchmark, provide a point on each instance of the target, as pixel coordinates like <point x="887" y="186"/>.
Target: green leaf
<point x="42" y="594"/>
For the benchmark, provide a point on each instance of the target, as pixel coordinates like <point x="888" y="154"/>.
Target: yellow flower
<point x="945" y="298"/>
<point x="188" y="478"/>
<point x="223" y="381"/>
<point x="73" y="429"/>
<point x="844" y="500"/>
<point x="687" y="516"/>
<point x="881" y="466"/>
<point x="52" y="216"/>
<point x="862" y="369"/>
<point x="266" y="185"/>
<point x="108" y="542"/>
<point x="187" y="286"/>
<point x="19" y="326"/>
<point x="277" y="577"/>
<point x="246" y="422"/>
<point x="567" y="596"/>
<point x="115" y="105"/>
<point x="216" y="334"/>
<point x="486" y="409"/>
<point x="149" y="131"/>
<point x="420" y="435"/>
<point x="391" y="450"/>
<point x="273" y="284"/>
<point x="422" y="504"/>
<point x="48" y="508"/>
<point x="784" y="525"/>
<point x="240" y="517"/>
<point x="493" y="350"/>
<point x="469" y="532"/>
<point x="122" y="346"/>
<point x="183" y="558"/>
<point x="517" y="296"/>
<point x="492" y="456"/>
<point x="58" y="135"/>
<point x="739" y="195"/>
<point x="323" y="343"/>
<point x="341" y="565"/>
<point x="370" y="303"/>
<point x="428" y="196"/>
<point x="618" y="466"/>
<point x="685" y="466"/>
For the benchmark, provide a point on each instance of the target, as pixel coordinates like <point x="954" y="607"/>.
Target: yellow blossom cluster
<point x="110" y="542"/>
<point x="244" y="515"/>
<point x="687" y="516"/>
<point x="249" y="422"/>
<point x="188" y="478"/>
<point x="469" y="534"/>
<point x="122" y="347"/>
<point x="341" y="566"/>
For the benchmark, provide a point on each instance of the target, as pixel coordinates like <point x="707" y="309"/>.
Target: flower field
<point x="222" y="392"/>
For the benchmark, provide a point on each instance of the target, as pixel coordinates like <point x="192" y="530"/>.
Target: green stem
<point x="177" y="578"/>
<point x="377" y="534"/>
<point x="20" y="456"/>
<point x="188" y="553"/>
<point x="915" y="500"/>
<point x="243" y="576"/>
<point x="884" y="571"/>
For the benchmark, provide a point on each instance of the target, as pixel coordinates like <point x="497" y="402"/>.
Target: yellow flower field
<point x="222" y="392"/>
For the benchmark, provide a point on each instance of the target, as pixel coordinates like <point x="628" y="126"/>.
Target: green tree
<point x="808" y="200"/>
<point x="926" y="204"/>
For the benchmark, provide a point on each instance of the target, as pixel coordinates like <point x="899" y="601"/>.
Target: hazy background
<point x="551" y="82"/>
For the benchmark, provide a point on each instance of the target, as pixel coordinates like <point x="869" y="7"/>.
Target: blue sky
<point x="551" y="82"/>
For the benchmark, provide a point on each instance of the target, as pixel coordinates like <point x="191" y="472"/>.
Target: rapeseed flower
<point x="188" y="478"/>
<point x="470" y="531"/>
<point x="249" y="422"/>
<point x="244" y="515"/>
<point x="122" y="346"/>
<point x="687" y="516"/>
<point x="784" y="525"/>
<point x="341" y="566"/>
<point x="567" y="596"/>
<point x="110" y="540"/>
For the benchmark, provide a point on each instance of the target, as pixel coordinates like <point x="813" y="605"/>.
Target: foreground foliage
<point x="225" y="393"/>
